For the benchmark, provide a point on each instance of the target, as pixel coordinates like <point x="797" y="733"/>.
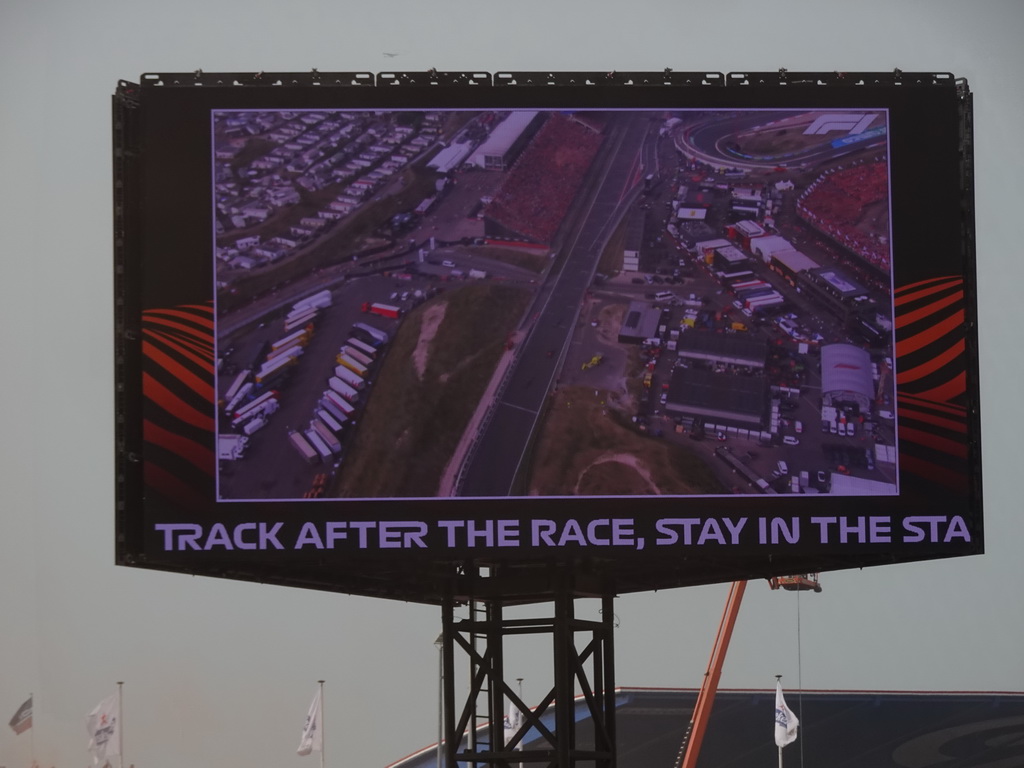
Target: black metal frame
<point x="590" y="666"/>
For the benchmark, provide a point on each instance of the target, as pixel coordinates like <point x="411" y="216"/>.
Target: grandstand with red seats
<point x="836" y="204"/>
<point x="541" y="185"/>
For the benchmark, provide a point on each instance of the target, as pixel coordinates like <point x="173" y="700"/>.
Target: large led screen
<point x="370" y="335"/>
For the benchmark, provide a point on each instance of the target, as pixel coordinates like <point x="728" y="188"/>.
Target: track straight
<point x="501" y="447"/>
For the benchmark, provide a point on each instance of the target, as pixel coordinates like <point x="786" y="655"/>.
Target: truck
<point x="384" y="310"/>
<point x="300" y="337"/>
<point x="255" y="406"/>
<point x="328" y="405"/>
<point x="343" y="389"/>
<point x="239" y="397"/>
<point x="273" y="369"/>
<point x="236" y="386"/>
<point x="298" y="314"/>
<point x="256" y="423"/>
<point x="339" y="402"/>
<point x="325" y="434"/>
<point x="301" y="320"/>
<point x="371" y="335"/>
<point x="362" y="346"/>
<point x="350" y="377"/>
<point x="352" y="365"/>
<point x="334" y="423"/>
<point x="318" y="444"/>
<point x="754" y="290"/>
<point x="295" y="351"/>
<point x="265" y="408"/>
<point x="320" y="300"/>
<point x="772" y="299"/>
<point x="477" y="274"/>
<point x="301" y="444"/>
<point x="360" y="357"/>
<point x="231" y="447"/>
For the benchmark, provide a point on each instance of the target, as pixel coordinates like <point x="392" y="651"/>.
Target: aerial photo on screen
<point x="469" y="303"/>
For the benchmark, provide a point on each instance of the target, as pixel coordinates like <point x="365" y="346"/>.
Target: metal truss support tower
<point x="480" y="734"/>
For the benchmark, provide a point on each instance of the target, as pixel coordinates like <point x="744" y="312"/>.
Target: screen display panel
<point x="648" y="334"/>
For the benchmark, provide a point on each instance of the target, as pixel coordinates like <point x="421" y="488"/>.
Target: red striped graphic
<point x="195" y="453"/>
<point x="931" y="334"/>
<point x="928" y="367"/>
<point x="178" y="385"/>
<point x="944" y="444"/>
<point x="952" y="425"/>
<point x="931" y="364"/>
<point x="170" y="402"/>
<point x="939" y="474"/>
<point x="179" y="371"/>
<point x="916" y="292"/>
<point x="197" y="353"/>
<point x="954" y="410"/>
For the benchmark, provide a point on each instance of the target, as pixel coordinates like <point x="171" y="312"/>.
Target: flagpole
<point x="322" y="723"/>
<point x="32" y="743"/>
<point x="778" y="682"/>
<point x="519" y="746"/>
<point x="120" y="725"/>
<point x="439" y="644"/>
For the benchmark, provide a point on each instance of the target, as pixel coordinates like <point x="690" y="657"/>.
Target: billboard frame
<point x="430" y="578"/>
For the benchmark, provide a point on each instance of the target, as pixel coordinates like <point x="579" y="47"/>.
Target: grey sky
<point x="221" y="674"/>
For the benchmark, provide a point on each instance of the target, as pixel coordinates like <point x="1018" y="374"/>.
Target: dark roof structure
<point x="730" y="349"/>
<point x="640" y="323"/>
<point x="720" y="396"/>
<point x="880" y="729"/>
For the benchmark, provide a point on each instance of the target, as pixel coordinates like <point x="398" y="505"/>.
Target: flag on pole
<point x="104" y="725"/>
<point x="785" y="721"/>
<point x="513" y="720"/>
<point x="22" y="719"/>
<point x="312" y="734"/>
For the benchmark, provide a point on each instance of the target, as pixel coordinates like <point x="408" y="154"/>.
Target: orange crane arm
<point x="706" y="698"/>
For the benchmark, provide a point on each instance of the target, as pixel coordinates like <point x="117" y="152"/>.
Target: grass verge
<point x="587" y="448"/>
<point x="412" y="425"/>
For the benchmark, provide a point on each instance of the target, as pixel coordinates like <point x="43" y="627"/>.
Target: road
<point x="497" y="458"/>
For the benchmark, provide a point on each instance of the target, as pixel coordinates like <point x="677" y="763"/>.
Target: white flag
<point x="312" y="734"/>
<point x="513" y="720"/>
<point x="104" y="726"/>
<point x="785" y="721"/>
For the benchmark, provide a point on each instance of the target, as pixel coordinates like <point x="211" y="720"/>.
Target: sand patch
<point x="429" y="323"/>
<point x="639" y="471"/>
